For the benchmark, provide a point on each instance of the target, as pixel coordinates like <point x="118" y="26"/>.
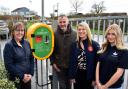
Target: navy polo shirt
<point x="110" y="60"/>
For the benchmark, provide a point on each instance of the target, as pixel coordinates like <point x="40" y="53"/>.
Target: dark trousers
<point x="82" y="82"/>
<point x="62" y="78"/>
<point x="23" y="85"/>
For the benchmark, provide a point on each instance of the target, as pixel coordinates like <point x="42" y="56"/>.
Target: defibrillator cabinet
<point x="41" y="38"/>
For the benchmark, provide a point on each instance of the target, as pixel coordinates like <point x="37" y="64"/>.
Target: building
<point x="24" y="12"/>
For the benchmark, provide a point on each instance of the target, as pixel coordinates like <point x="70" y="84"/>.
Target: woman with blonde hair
<point x="83" y="58"/>
<point x="112" y="60"/>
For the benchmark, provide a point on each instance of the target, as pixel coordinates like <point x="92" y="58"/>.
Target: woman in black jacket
<point x="83" y="58"/>
<point x="18" y="58"/>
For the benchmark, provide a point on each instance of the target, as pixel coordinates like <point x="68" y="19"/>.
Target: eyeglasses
<point x="19" y="30"/>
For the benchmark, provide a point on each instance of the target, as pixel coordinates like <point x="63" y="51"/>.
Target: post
<point x="57" y="9"/>
<point x="42" y="6"/>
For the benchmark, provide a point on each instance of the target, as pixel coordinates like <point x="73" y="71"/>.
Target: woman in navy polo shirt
<point x="112" y="60"/>
<point x="83" y="59"/>
<point x="18" y="58"/>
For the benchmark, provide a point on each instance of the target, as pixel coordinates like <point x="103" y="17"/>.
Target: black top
<point x="110" y="60"/>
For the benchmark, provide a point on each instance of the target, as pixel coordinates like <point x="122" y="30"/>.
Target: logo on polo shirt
<point x="115" y="54"/>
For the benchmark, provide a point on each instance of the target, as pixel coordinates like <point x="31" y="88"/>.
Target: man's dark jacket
<point x="63" y="41"/>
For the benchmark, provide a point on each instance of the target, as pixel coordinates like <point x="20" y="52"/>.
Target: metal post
<point x="57" y="9"/>
<point x="93" y="28"/>
<point x="53" y="12"/>
<point x="29" y="18"/>
<point x="42" y="9"/>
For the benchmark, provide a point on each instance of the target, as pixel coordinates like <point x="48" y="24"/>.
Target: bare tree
<point x="98" y="8"/>
<point x="52" y="15"/>
<point x="4" y="10"/>
<point x="76" y="5"/>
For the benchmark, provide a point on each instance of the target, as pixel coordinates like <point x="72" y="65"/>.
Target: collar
<point x="111" y="47"/>
<point x="15" y="44"/>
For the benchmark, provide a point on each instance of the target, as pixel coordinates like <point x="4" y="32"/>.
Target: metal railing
<point x="99" y="24"/>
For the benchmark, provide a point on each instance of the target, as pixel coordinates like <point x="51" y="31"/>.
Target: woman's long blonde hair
<point x="89" y="35"/>
<point x="118" y="42"/>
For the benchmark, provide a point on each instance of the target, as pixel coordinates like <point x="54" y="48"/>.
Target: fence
<point x="101" y="23"/>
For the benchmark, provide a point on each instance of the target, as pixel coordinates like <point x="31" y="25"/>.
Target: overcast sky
<point x="64" y="5"/>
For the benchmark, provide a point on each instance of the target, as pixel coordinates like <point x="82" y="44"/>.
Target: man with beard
<point x="64" y="36"/>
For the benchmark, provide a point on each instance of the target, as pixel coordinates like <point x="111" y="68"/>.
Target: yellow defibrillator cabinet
<point x="41" y="38"/>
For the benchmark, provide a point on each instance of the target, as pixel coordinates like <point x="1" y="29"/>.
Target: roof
<point x="21" y="9"/>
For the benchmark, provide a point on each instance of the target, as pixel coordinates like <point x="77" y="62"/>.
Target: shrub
<point x="4" y="82"/>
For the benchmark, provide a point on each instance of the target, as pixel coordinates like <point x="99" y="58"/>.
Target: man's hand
<point x="56" y="68"/>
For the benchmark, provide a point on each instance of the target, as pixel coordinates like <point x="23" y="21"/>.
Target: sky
<point x="64" y="6"/>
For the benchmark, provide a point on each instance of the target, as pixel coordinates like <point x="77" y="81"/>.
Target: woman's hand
<point x="103" y="87"/>
<point x="98" y="85"/>
<point x="93" y="83"/>
<point x="27" y="77"/>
